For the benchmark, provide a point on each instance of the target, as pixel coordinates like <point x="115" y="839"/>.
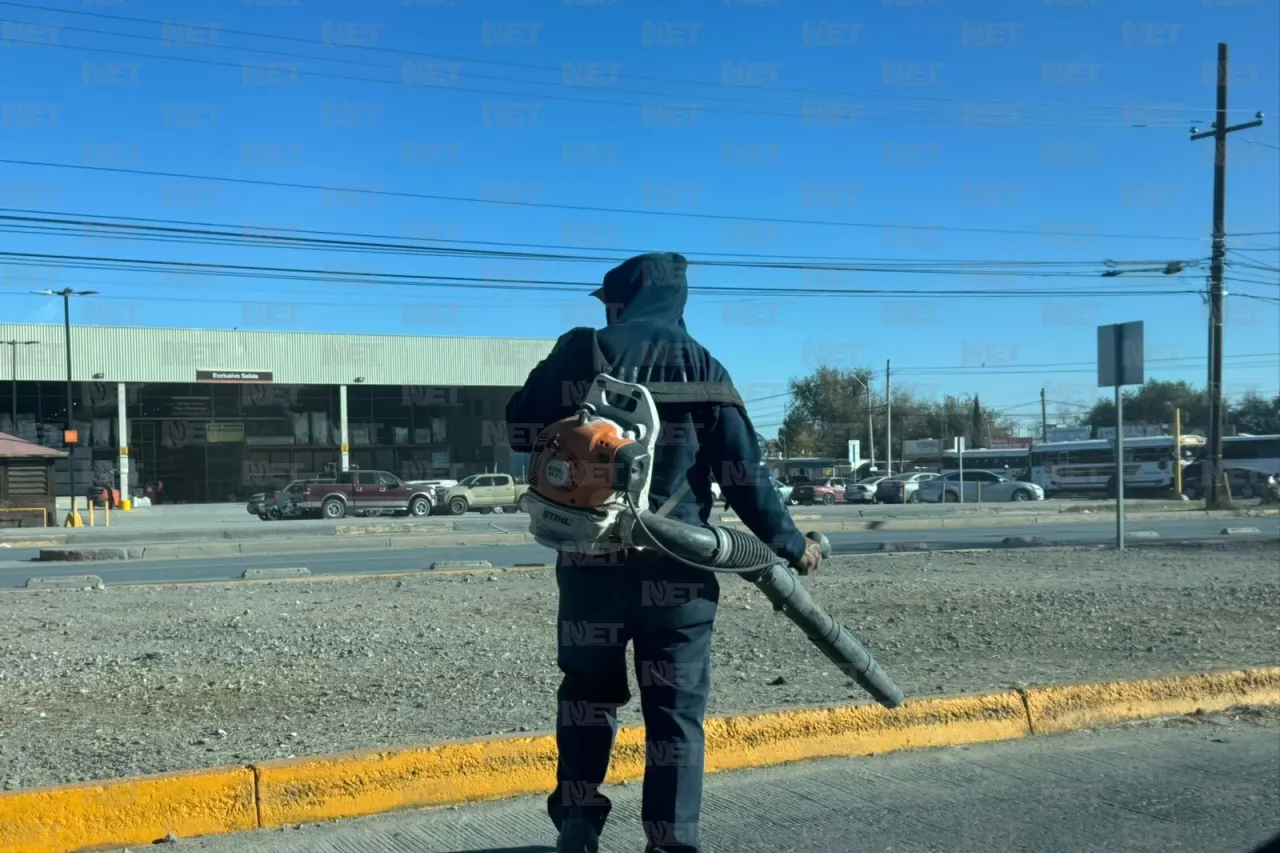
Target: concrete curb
<point x="137" y="811"/>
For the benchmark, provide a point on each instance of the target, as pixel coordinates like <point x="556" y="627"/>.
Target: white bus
<point x="1012" y="460"/>
<point x="1255" y="452"/>
<point x="1090" y="466"/>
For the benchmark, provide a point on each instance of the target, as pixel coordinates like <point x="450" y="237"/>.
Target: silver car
<point x="902" y="488"/>
<point x="978" y="486"/>
<point x="783" y="490"/>
<point x="863" y="491"/>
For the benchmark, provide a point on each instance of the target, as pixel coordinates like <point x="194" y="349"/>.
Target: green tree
<point x="1255" y="415"/>
<point x="829" y="407"/>
<point x="977" y="437"/>
<point x="1154" y="403"/>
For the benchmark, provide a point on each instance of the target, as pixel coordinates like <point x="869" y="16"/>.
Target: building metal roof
<point x="12" y="447"/>
<point x="159" y="354"/>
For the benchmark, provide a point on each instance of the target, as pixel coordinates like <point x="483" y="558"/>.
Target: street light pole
<point x="871" y="438"/>
<point x="69" y="436"/>
<point x="13" y="347"/>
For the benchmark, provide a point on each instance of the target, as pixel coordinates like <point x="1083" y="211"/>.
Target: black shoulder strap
<point x="674" y="393"/>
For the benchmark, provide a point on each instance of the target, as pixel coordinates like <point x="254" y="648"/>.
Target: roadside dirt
<point x="106" y="683"/>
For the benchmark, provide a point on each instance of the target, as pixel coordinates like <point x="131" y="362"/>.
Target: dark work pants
<point x="667" y="612"/>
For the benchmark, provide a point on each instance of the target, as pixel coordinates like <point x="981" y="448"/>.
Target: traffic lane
<point x="203" y="516"/>
<point x="383" y="560"/>
<point x="174" y="527"/>
<point x="1184" y="785"/>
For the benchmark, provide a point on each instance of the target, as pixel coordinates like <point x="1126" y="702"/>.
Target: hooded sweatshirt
<point x="705" y="434"/>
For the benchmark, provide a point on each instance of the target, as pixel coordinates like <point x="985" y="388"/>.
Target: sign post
<point x="1120" y="363"/>
<point x="960" y="459"/>
<point x="855" y="455"/>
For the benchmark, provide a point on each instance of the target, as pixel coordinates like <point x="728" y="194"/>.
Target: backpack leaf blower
<point x="589" y="479"/>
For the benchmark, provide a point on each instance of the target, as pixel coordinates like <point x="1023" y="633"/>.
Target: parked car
<point x="902" y="488"/>
<point x="1243" y="483"/>
<point x="784" y="492"/>
<point x="274" y="504"/>
<point x="863" y="491"/>
<point x="979" y="485"/>
<point x="438" y="485"/>
<point x="366" y="493"/>
<point x="718" y="498"/>
<point x="826" y="491"/>
<point x="259" y="501"/>
<point x="486" y="493"/>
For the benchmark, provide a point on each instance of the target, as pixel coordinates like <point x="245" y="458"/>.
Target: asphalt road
<point x="1176" y="786"/>
<point x="208" y="516"/>
<point x="18" y="564"/>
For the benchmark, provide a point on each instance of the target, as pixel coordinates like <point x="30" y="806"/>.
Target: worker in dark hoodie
<point x="665" y="609"/>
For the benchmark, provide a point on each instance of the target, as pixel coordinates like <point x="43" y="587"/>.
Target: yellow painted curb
<point x="1062" y="709"/>
<point x="306" y="790"/>
<point x="139" y="811"/>
<point x="363" y="783"/>
<point x="303" y="790"/>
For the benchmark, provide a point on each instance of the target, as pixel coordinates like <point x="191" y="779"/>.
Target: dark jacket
<point x="703" y="435"/>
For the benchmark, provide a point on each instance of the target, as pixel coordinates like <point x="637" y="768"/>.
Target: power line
<point x="1173" y="364"/>
<point x="46" y="226"/>
<point x="254" y="234"/>
<point x="573" y="207"/>
<point x="989" y="371"/>
<point x="499" y="283"/>
<point x="1254" y="266"/>
<point x="551" y="69"/>
<point x="450" y="87"/>
<point x="1270" y="300"/>
<point x="1081" y="363"/>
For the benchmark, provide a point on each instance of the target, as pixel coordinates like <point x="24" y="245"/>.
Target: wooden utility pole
<point x="1213" y="497"/>
<point x="1044" y="418"/>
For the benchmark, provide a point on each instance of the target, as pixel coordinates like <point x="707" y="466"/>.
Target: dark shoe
<point x="578" y="836"/>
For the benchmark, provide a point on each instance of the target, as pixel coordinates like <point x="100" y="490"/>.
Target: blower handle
<point x="822" y="540"/>
<point x="725" y="549"/>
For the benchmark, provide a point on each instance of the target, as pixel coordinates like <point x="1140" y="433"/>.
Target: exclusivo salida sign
<point x="234" y="375"/>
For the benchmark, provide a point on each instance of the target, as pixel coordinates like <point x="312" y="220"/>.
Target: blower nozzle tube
<point x="725" y="548"/>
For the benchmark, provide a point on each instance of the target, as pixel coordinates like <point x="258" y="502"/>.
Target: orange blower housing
<point x="588" y="463"/>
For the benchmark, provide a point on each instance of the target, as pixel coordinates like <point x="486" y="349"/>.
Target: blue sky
<point x="1054" y="131"/>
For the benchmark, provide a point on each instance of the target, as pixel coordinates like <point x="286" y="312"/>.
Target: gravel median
<point x="115" y="682"/>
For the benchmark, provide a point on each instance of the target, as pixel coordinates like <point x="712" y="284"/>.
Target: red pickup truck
<point x="367" y="493"/>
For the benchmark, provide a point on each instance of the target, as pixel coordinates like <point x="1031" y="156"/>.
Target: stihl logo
<point x="557" y="518"/>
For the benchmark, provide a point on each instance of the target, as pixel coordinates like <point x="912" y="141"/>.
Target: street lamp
<point x="871" y="440"/>
<point x="13" y="346"/>
<point x="69" y="436"/>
